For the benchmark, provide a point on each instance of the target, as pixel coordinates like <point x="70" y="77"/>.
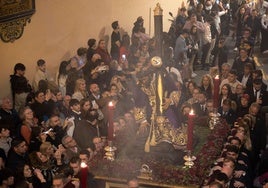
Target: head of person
<point x="206" y="80"/>
<point x="63" y="68"/>
<point x="59" y="180"/>
<point x="47" y="149"/>
<point x="228" y="166"/>
<point x="68" y="142"/>
<point x="38" y="160"/>
<point x="254" y="109"/>
<point x="39" y="96"/>
<point x="98" y="143"/>
<point x="86" y="155"/>
<point x="92" y="43"/>
<point x="235" y="141"/>
<point x="193" y="30"/>
<point x="66" y="100"/>
<point x="257" y="84"/>
<point x="244" y="100"/>
<point x="26" y="113"/>
<point x="80" y="85"/>
<point x="257" y="74"/>
<point x="232" y="76"/>
<point x="85" y="105"/>
<point x="41" y="64"/>
<point x="6" y="178"/>
<point x="202" y="98"/>
<point x="19" y="146"/>
<point x="225" y="69"/>
<point x="193" y="18"/>
<point x="215" y="185"/>
<point x="185" y="33"/>
<point x="243" y="52"/>
<point x="209" y="105"/>
<point x="19" y="69"/>
<point x="115" y="26"/>
<point x="102" y="44"/>
<point x="239" y="89"/>
<point x="226" y="89"/>
<point x="75" y="164"/>
<point x="81" y="52"/>
<point x="133" y="182"/>
<point x="232" y="151"/>
<point x="94" y="89"/>
<point x="4" y="131"/>
<point x="248" y="68"/>
<point x="226" y="105"/>
<point x="74" y="105"/>
<point x="242" y="10"/>
<point x="6" y="104"/>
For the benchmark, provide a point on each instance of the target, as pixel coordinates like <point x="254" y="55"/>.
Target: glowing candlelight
<point x="84" y="173"/>
<point x="190" y="130"/>
<point x="216" y="91"/>
<point x="110" y="120"/>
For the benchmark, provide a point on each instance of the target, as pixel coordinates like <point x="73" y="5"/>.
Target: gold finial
<point x="158" y="11"/>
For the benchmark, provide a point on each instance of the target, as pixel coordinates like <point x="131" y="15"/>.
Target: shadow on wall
<point x="104" y="36"/>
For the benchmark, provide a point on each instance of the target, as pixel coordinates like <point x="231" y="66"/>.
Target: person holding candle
<point x="82" y="173"/>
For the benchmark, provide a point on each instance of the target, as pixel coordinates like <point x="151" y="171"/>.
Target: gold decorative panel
<point x="14" y="15"/>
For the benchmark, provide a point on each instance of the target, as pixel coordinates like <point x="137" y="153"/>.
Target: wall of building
<point x="59" y="27"/>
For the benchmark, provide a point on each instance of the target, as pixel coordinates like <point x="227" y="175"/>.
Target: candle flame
<point x="83" y="165"/>
<point x="110" y="104"/>
<point x="217" y="77"/>
<point x="191" y="112"/>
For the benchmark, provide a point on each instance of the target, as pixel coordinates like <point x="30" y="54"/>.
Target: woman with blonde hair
<point x="28" y="122"/>
<point x="206" y="85"/>
<point x="80" y="91"/>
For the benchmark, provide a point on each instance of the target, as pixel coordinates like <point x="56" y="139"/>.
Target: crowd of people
<point x="50" y="126"/>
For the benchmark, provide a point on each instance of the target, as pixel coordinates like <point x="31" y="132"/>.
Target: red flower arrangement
<point x="124" y="167"/>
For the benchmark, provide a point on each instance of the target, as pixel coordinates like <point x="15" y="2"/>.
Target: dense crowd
<point x="51" y="125"/>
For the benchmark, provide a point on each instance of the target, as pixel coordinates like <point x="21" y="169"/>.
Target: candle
<point x="84" y="173"/>
<point x="190" y="130"/>
<point x="216" y="91"/>
<point x="110" y="121"/>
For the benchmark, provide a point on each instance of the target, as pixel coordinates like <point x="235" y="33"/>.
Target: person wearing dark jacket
<point x="19" y="86"/>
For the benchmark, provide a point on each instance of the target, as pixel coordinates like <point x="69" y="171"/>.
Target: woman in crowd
<point x="28" y="122"/>
<point x="42" y="162"/>
<point x="32" y="177"/>
<point x="80" y="91"/>
<point x="207" y="86"/>
<point x="62" y="75"/>
<point x="225" y="93"/>
<point x="194" y="41"/>
<point x="85" y="105"/>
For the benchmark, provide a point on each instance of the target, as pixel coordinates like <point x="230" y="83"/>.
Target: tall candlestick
<point x="216" y="91"/>
<point x="110" y="121"/>
<point x="190" y="130"/>
<point x="84" y="173"/>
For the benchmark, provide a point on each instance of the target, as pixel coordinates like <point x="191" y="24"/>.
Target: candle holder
<point x="110" y="151"/>
<point x="214" y="119"/>
<point x="189" y="159"/>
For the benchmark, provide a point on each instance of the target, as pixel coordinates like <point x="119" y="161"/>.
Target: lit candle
<point x="190" y="130"/>
<point x="84" y="173"/>
<point x="216" y="91"/>
<point x="110" y="121"/>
